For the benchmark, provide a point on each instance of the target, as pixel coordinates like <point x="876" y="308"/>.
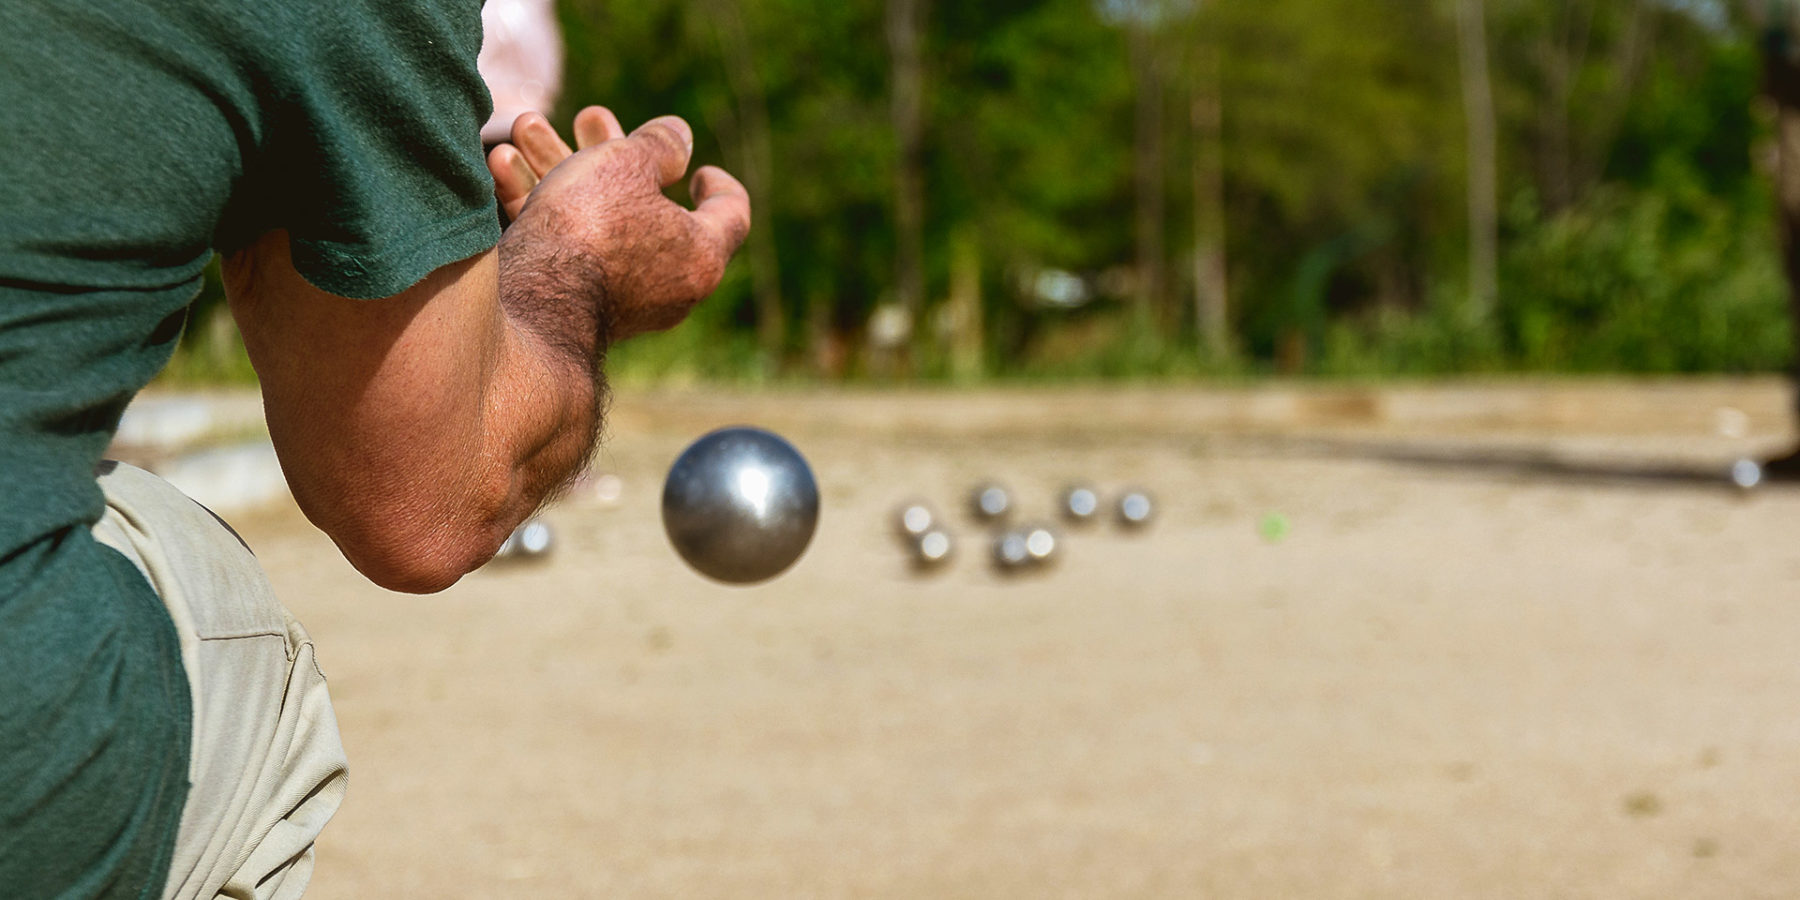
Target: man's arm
<point x="419" y="430"/>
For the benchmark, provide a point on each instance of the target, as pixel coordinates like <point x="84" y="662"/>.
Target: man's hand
<point x="596" y="224"/>
<point x="536" y="148"/>
<point x="419" y="430"/>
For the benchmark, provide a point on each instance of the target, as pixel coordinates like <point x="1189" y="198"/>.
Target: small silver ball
<point x="990" y="502"/>
<point x="1011" y="552"/>
<point x="531" y="540"/>
<point x="1136" y="509"/>
<point x="913" y="520"/>
<point x="740" y="505"/>
<point x="1079" y="504"/>
<point x="1041" y="544"/>
<point x="534" y="538"/>
<point x="1746" y="473"/>
<point x="933" y="548"/>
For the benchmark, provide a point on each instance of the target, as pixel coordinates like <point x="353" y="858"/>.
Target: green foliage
<point x="1638" y="233"/>
<point x="1673" y="280"/>
<point x="1665" y="281"/>
<point x="1668" y="262"/>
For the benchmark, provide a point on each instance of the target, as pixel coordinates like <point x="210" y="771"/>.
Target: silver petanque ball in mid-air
<point x="740" y="505"/>
<point x="1079" y="504"/>
<point x="1746" y="474"/>
<point x="1136" y="509"/>
<point x="989" y="502"/>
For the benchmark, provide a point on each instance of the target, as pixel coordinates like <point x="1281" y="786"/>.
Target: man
<point x="521" y="62"/>
<point x="1778" y="25"/>
<point x="164" y="729"/>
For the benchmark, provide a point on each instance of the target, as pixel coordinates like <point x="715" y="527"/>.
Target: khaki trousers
<point x="267" y="769"/>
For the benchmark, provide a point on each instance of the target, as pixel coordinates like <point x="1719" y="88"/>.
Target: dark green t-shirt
<point x="136" y="138"/>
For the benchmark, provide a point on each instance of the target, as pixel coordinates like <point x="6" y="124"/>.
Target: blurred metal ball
<point x="531" y="540"/>
<point x="913" y="520"/>
<point x="1011" y="551"/>
<point x="1041" y="544"/>
<point x="606" y="489"/>
<point x="740" y="505"/>
<point x="990" y="502"/>
<point x="1746" y="473"/>
<point x="1079" y="504"/>
<point x="933" y="548"/>
<point x="1136" y="509"/>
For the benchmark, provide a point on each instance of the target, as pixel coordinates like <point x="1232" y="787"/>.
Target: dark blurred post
<point x="1478" y="113"/>
<point x="905" y="21"/>
<point x="1777" y="26"/>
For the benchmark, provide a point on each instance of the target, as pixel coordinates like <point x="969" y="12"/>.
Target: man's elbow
<point x="417" y="555"/>
<point x="402" y="528"/>
<point x="408" y="574"/>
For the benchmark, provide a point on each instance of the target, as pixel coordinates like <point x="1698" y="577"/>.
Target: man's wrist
<point x="557" y="293"/>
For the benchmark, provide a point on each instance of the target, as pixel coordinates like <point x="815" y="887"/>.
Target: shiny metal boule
<point x="1079" y="504"/>
<point x="531" y="540"/>
<point x="1747" y="474"/>
<point x="1041" y="544"/>
<point x="1136" y="509"/>
<point x="1011" y="552"/>
<point x="913" y="520"/>
<point x="989" y="502"/>
<point x="933" y="549"/>
<point x="740" y="505"/>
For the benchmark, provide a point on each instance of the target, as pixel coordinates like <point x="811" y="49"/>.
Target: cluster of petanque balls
<point x="1014" y="547"/>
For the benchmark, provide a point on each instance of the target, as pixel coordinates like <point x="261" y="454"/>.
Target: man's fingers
<point x="668" y="142"/>
<point x="541" y="146"/>
<point x="513" y="178"/>
<point x="721" y="207"/>
<point x="596" y="125"/>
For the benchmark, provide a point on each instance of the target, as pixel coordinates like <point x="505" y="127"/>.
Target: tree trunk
<point x="1212" y="303"/>
<point x="905" y="21"/>
<point x="1478" y="111"/>
<point x="1148" y="166"/>
<point x="963" y="313"/>
<point x="1627" y="66"/>
<point x="755" y="161"/>
<point x="1563" y="54"/>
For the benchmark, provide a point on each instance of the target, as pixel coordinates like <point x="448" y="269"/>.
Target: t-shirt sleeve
<point x="374" y="162"/>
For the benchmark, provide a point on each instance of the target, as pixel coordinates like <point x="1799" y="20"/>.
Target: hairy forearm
<point x="418" y="430"/>
<point x="541" y="397"/>
<point x="555" y="291"/>
<point x="550" y="390"/>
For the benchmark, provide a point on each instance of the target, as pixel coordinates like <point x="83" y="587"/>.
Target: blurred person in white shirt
<point x="521" y="60"/>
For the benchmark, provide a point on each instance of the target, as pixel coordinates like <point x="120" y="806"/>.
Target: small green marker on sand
<point x="1273" y="528"/>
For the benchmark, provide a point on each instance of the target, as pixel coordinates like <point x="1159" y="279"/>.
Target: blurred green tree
<point x="1152" y="187"/>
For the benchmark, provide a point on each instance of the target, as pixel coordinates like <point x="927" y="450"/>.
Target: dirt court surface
<point x="1486" y="661"/>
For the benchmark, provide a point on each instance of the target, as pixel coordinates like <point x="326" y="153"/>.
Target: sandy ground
<point x="1462" y="673"/>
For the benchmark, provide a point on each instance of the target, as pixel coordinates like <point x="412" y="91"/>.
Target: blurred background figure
<point x="521" y="61"/>
<point x="1779" y="24"/>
